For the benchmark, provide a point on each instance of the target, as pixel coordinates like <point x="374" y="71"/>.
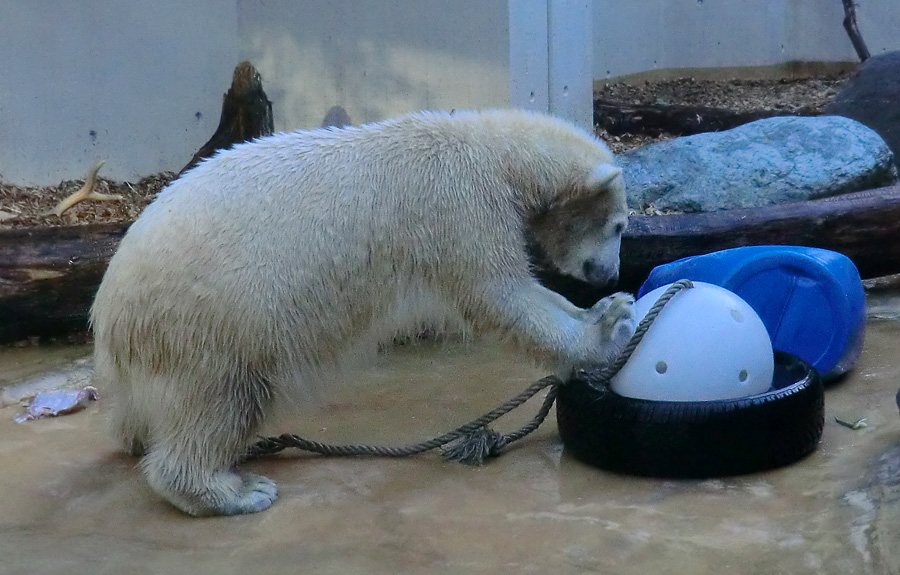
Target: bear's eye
<point x="620" y="228"/>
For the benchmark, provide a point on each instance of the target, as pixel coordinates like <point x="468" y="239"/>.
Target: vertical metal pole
<point x="571" y="79"/>
<point x="529" y="63"/>
<point x="550" y="58"/>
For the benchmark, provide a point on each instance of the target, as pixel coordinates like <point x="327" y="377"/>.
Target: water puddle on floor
<point x="73" y="504"/>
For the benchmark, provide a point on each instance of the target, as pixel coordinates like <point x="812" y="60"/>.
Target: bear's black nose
<point x="597" y="275"/>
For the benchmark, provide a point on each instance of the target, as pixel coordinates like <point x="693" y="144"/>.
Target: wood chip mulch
<point x="784" y="95"/>
<point x="22" y="207"/>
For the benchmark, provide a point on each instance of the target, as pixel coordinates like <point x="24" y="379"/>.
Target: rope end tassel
<point x="474" y="448"/>
<point x="474" y="442"/>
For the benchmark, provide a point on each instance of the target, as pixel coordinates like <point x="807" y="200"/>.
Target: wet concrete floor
<point x="72" y="504"/>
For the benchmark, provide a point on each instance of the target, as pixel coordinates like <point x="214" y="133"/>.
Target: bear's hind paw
<point x="258" y="494"/>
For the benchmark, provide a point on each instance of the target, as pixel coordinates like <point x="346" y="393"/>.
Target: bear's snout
<point x="599" y="274"/>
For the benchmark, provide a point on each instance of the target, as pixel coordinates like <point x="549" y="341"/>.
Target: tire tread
<point x="694" y="439"/>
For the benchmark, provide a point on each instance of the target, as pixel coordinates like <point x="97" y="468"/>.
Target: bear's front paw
<point x="615" y="318"/>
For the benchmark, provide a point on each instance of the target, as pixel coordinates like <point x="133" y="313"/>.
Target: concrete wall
<point x="814" y="29"/>
<point x="550" y="58"/>
<point x="376" y="58"/>
<point x="139" y="84"/>
<point x="644" y="35"/>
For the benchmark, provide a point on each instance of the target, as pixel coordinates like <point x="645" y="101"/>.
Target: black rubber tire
<point x="695" y="439"/>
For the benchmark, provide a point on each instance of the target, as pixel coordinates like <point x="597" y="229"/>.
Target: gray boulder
<point x="872" y="97"/>
<point x="771" y="161"/>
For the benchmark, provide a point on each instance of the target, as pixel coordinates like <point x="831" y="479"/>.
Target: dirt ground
<point x="22" y="207"/>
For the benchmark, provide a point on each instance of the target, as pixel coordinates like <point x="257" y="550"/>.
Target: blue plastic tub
<point x="811" y="300"/>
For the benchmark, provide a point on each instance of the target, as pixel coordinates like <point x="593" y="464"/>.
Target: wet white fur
<point x="264" y="264"/>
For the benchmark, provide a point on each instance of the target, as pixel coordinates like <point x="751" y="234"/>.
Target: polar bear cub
<point x="262" y="265"/>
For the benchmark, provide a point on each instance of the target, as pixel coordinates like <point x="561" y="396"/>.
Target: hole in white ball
<point x="737" y="315"/>
<point x="661" y="367"/>
<point x="743" y="375"/>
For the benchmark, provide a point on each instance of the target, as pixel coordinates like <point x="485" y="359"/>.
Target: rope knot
<point x="476" y="446"/>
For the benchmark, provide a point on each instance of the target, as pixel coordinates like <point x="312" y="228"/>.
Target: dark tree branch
<point x="853" y="31"/>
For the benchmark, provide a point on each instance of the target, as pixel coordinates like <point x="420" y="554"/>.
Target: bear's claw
<point x="258" y="495"/>
<point x="616" y="317"/>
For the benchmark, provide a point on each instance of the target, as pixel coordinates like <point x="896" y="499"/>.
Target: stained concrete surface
<point x="72" y="504"/>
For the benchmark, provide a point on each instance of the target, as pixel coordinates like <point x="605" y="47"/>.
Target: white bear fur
<point x="267" y="262"/>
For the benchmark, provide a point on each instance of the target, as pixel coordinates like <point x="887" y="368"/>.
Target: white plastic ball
<point x="706" y="344"/>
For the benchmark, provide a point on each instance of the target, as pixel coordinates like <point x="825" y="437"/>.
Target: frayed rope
<point x="475" y="447"/>
<point x="473" y="442"/>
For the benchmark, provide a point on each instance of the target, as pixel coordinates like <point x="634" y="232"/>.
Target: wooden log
<point x="862" y="51"/>
<point x="619" y="118"/>
<point x="864" y="226"/>
<point x="48" y="277"/>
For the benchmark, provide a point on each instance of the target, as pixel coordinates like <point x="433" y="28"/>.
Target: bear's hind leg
<point x="191" y="457"/>
<point x="173" y="472"/>
<point x="128" y="425"/>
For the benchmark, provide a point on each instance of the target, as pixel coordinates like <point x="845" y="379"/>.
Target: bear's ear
<point x="602" y="175"/>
